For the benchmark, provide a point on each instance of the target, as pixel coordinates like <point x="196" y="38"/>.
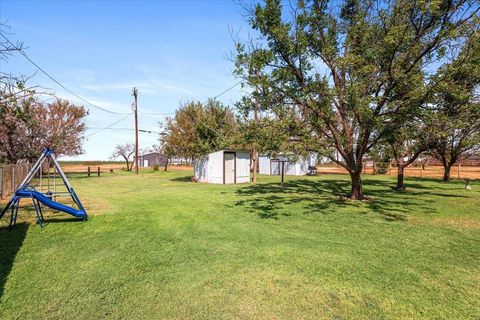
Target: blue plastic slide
<point x="50" y="203"/>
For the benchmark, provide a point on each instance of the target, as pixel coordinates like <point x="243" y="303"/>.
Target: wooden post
<point x="283" y="170"/>
<point x="421" y="172"/>
<point x="88" y="173"/>
<point x="459" y="170"/>
<point x="14" y="182"/>
<point x="98" y="171"/>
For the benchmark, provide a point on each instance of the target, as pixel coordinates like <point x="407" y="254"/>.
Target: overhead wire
<point x="214" y="97"/>
<point x="111" y="125"/>
<point x="99" y="107"/>
<point x="58" y="82"/>
<point x="123" y="129"/>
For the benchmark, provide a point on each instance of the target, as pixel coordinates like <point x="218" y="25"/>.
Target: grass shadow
<point x="10" y="244"/>
<point x="326" y="196"/>
<point x="182" y="179"/>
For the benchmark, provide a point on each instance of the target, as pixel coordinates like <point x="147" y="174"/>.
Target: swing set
<point x="47" y="198"/>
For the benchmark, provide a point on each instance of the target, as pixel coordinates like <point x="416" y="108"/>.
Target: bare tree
<point x="125" y="151"/>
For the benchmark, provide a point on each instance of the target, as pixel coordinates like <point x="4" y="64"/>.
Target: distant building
<point x="180" y="161"/>
<point x="223" y="167"/>
<point x="151" y="159"/>
<point x="273" y="165"/>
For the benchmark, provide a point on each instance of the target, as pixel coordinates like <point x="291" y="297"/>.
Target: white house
<point x="273" y="166"/>
<point x="223" y="167"/>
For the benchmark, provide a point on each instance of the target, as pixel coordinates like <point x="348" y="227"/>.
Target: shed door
<point x="229" y="167"/>
<point x="145" y="163"/>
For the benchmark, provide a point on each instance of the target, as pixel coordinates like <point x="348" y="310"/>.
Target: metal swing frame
<point x="14" y="202"/>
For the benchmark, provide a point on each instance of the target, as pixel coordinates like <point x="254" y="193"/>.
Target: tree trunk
<point x="166" y="165"/>
<point x="400" y="170"/>
<point x="446" y="173"/>
<point x="128" y="167"/>
<point x="254" y="164"/>
<point x="357" y="190"/>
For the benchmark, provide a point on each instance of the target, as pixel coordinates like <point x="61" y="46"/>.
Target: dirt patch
<point x="78" y="168"/>
<point x="180" y="168"/>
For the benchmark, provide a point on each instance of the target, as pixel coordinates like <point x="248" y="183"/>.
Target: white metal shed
<point x="223" y="167"/>
<point x="272" y="166"/>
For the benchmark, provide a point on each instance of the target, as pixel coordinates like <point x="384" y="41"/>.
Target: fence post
<point x="459" y="170"/>
<point x="13" y="178"/>
<point x="88" y="173"/>
<point x="1" y="183"/>
<point x="98" y="171"/>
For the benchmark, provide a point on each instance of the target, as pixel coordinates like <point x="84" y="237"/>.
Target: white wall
<point x="200" y="169"/>
<point x="210" y="168"/>
<point x="215" y="167"/>
<point x="242" y="167"/>
<point x="298" y="168"/>
<point x="263" y="164"/>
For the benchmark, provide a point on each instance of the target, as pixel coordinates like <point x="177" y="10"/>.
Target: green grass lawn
<point x="159" y="246"/>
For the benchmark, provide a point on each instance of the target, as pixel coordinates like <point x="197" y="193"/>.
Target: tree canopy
<point x="198" y="129"/>
<point x="344" y="74"/>
<point x="456" y="104"/>
<point x="28" y="125"/>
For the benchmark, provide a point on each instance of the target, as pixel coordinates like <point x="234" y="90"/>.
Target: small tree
<point x="199" y="129"/>
<point x="407" y="144"/>
<point x="457" y="107"/>
<point x="125" y="151"/>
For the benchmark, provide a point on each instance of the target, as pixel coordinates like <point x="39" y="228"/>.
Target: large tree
<point x="28" y="125"/>
<point x="456" y="118"/>
<point x="198" y="129"/>
<point x="344" y="71"/>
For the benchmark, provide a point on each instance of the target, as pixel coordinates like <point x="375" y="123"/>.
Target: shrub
<point x="155" y="167"/>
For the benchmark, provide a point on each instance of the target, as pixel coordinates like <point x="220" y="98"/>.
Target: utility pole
<point x="135" y="107"/>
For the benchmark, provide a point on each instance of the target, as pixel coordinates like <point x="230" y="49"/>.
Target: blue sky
<point x="171" y="51"/>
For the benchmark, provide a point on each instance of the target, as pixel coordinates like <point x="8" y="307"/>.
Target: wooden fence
<point x="11" y="176"/>
<point x="462" y="170"/>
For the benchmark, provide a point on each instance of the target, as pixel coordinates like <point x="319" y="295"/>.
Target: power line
<point x="57" y="82"/>
<point x="223" y="92"/>
<point x="156" y="114"/>
<point x="215" y="97"/>
<point x="111" y="125"/>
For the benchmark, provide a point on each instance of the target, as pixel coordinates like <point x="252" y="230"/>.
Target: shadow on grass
<point x="10" y="244"/>
<point x="182" y="179"/>
<point x="326" y="196"/>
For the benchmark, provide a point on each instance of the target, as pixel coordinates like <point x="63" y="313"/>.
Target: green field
<point x="160" y="246"/>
